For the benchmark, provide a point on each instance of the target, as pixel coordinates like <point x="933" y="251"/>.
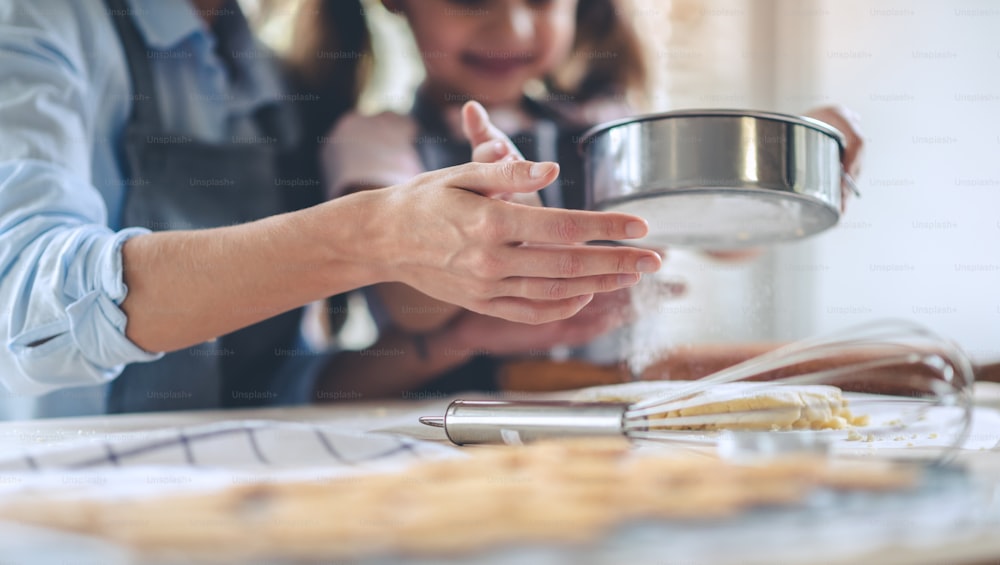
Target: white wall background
<point x="923" y="243"/>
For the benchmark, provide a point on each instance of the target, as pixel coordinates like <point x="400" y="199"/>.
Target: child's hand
<point x="490" y="145"/>
<point x="496" y="336"/>
<point x="849" y="124"/>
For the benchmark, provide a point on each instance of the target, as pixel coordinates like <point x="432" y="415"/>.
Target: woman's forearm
<point x="436" y="233"/>
<point x="186" y="287"/>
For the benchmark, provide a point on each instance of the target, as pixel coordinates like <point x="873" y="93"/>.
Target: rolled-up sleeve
<point x="61" y="276"/>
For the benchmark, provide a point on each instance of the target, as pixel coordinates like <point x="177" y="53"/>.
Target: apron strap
<point x="280" y="120"/>
<point x="144" y="96"/>
<point x="273" y="120"/>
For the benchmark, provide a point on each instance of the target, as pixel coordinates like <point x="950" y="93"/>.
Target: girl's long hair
<point x="330" y="59"/>
<point x="607" y="57"/>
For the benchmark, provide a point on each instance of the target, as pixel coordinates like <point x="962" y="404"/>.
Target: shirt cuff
<point x="88" y="346"/>
<point x="91" y="316"/>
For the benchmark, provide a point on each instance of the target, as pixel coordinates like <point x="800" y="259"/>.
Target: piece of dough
<point x="736" y="406"/>
<point x="549" y="492"/>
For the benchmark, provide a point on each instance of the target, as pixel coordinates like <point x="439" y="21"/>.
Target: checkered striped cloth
<point x="244" y="444"/>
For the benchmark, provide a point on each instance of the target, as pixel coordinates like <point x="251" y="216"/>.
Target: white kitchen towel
<point x="240" y="444"/>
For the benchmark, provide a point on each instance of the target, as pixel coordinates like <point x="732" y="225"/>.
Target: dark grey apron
<point x="175" y="182"/>
<point x="552" y="138"/>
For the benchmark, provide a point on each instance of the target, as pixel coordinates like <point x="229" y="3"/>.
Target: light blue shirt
<point x="65" y="97"/>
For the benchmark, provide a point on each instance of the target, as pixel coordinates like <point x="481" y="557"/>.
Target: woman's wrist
<point x="352" y="238"/>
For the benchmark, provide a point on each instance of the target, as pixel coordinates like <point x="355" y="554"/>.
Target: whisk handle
<point x="470" y="422"/>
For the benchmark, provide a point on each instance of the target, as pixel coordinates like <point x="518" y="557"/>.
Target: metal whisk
<point x="900" y="380"/>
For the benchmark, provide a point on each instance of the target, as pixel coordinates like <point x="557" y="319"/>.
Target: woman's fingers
<point x="527" y="311"/>
<point x="552" y="225"/>
<point x="500" y="337"/>
<point x="579" y="261"/>
<point x="494" y="179"/>
<point x="536" y="225"/>
<point x="536" y="288"/>
<point x="521" y="263"/>
<point x="523" y="198"/>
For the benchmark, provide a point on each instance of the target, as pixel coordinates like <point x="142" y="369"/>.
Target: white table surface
<point x="984" y="464"/>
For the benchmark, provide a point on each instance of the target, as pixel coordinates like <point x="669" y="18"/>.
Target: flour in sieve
<point x="736" y="219"/>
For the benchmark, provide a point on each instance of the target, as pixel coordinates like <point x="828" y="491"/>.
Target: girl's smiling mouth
<point x="497" y="62"/>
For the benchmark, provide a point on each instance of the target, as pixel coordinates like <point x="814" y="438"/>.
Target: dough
<point x="568" y="491"/>
<point x="736" y="406"/>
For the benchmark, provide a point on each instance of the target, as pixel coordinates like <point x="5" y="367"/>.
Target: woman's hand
<point x="849" y="124"/>
<point x="438" y="234"/>
<point x="410" y="309"/>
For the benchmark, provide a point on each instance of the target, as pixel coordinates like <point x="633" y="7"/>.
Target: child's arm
<point x="400" y="362"/>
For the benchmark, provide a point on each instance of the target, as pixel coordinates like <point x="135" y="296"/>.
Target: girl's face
<point x="489" y="49"/>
